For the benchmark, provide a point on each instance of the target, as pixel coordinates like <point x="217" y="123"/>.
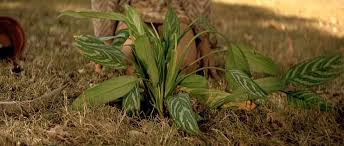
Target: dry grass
<point x="50" y="60"/>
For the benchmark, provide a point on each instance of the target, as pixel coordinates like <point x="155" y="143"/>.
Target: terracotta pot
<point x="12" y="39"/>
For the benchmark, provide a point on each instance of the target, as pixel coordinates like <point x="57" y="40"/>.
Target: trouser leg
<point x="103" y="27"/>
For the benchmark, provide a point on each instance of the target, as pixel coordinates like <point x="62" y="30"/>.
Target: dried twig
<point x="28" y="106"/>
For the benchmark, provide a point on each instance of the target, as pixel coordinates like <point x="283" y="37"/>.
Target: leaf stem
<point x="203" y="68"/>
<point x="199" y="59"/>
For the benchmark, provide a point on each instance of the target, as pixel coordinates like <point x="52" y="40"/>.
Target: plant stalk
<point x="199" y="59"/>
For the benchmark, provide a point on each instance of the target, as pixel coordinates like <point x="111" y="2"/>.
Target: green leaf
<point x="120" y="38"/>
<point x="105" y="92"/>
<point x="180" y="109"/>
<point x="132" y="102"/>
<point x="146" y="55"/>
<point x="170" y="27"/>
<point x="247" y="83"/>
<point x="172" y="72"/>
<point x="268" y="84"/>
<point x="133" y="20"/>
<point x="93" y="14"/>
<point x="236" y="60"/>
<point x="214" y="98"/>
<point x="194" y="81"/>
<point x="258" y="62"/>
<point x="235" y="97"/>
<point x="95" y="50"/>
<point x="211" y="98"/>
<point x="307" y="99"/>
<point x="315" y="71"/>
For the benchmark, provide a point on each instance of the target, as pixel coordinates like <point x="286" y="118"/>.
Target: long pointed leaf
<point x="214" y="98"/>
<point x="307" y="99"/>
<point x="172" y="72"/>
<point x="315" y="71"/>
<point x="95" y="50"/>
<point x="236" y="60"/>
<point x="146" y="54"/>
<point x="194" y="81"/>
<point x="258" y="62"/>
<point x="133" y="20"/>
<point x="170" y="27"/>
<point x="132" y="102"/>
<point x="180" y="109"/>
<point x="247" y="83"/>
<point x="211" y="98"/>
<point x="269" y="85"/>
<point x="105" y="92"/>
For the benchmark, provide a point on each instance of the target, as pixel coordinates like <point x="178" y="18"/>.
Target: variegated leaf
<point x="269" y="85"/>
<point x="170" y="27"/>
<point x="120" y="38"/>
<point x="132" y="102"/>
<point x="247" y="83"/>
<point x="307" y="99"/>
<point x="180" y="109"/>
<point x="236" y="60"/>
<point x="315" y="71"/>
<point x="95" y="50"/>
<point x="133" y="20"/>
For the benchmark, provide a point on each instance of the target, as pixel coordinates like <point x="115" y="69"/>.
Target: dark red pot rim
<point x="14" y="32"/>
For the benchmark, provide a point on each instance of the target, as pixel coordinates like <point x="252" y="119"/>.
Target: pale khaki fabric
<point x="154" y="11"/>
<point x="151" y="11"/>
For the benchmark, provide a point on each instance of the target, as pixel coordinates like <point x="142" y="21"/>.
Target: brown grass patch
<point x="51" y="60"/>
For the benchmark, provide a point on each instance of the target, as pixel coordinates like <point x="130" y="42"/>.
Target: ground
<point x="287" y="31"/>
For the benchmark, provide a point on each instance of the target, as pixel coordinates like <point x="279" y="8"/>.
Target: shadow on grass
<point x="287" y="39"/>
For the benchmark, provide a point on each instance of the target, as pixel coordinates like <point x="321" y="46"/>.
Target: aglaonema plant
<point x="159" y="76"/>
<point x="243" y="61"/>
<point x="157" y="63"/>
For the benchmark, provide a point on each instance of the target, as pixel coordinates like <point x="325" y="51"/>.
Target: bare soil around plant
<point x="287" y="31"/>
